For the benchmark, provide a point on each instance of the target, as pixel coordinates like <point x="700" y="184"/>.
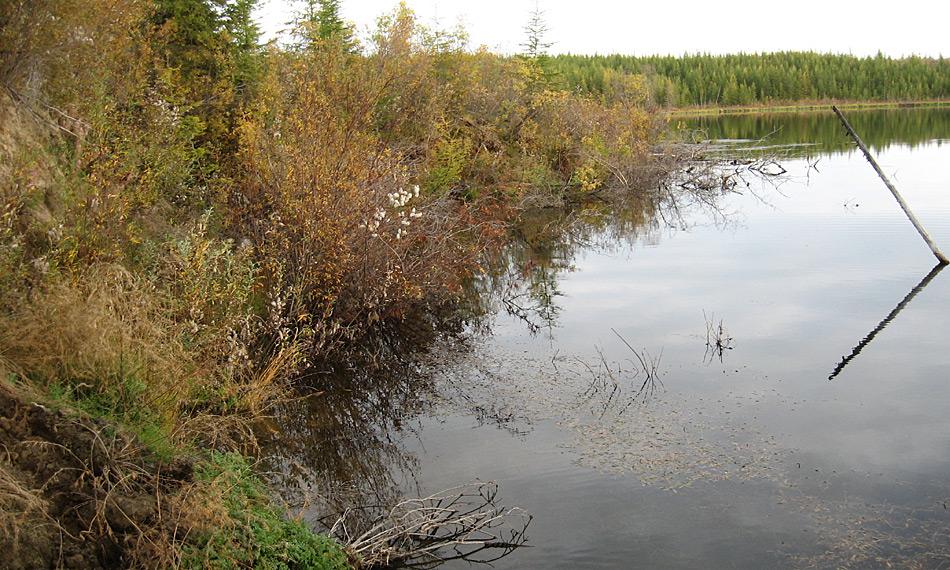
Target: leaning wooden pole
<point x="900" y="199"/>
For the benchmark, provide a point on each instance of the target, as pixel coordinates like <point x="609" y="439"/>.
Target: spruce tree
<point x="536" y="29"/>
<point x="322" y="21"/>
<point x="244" y="35"/>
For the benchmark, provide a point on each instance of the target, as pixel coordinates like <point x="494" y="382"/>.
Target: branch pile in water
<point x="464" y="522"/>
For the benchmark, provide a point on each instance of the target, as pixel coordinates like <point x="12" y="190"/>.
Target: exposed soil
<point x="75" y="492"/>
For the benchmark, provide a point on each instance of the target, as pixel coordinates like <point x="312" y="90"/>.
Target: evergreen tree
<point x="187" y="32"/>
<point x="245" y="35"/>
<point x="329" y="22"/>
<point x="209" y="57"/>
<point x="535" y="30"/>
<point x="321" y="21"/>
<point x="704" y="79"/>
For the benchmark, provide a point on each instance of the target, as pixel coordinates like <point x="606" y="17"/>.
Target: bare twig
<point x="649" y="365"/>
<point x="717" y="339"/>
<point x="465" y="523"/>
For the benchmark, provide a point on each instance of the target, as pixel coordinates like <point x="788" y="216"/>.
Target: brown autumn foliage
<point x="345" y="237"/>
<point x="211" y="227"/>
<point x="187" y="220"/>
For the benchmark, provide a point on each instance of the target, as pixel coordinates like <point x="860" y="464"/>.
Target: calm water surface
<point x="745" y="454"/>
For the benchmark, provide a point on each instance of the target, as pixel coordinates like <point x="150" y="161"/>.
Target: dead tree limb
<point x="900" y="200"/>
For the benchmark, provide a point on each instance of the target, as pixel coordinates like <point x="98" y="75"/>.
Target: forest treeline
<point x="191" y="218"/>
<point x="745" y="79"/>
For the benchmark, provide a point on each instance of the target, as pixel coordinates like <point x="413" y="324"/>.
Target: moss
<point x="258" y="535"/>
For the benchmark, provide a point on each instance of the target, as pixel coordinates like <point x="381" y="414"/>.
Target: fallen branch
<point x="460" y="523"/>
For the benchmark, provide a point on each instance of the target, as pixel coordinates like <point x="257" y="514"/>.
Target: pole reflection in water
<point x="887" y="320"/>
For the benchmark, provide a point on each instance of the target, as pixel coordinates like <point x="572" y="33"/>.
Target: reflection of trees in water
<point x="340" y="453"/>
<point x="341" y="447"/>
<point x="880" y="129"/>
<point x="524" y="280"/>
<point x="340" y="444"/>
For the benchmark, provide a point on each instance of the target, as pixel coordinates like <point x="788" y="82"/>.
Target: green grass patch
<point x="258" y="534"/>
<point x="122" y="406"/>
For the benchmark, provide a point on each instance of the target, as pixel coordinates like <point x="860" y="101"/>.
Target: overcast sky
<point x="677" y="26"/>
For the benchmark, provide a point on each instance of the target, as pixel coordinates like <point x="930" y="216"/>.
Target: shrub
<point x="345" y="238"/>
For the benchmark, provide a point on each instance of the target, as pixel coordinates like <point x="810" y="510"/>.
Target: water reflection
<point x="880" y="129"/>
<point x="341" y="447"/>
<point x="524" y="283"/>
<point x="887" y="320"/>
<point x="525" y="280"/>
<point x="752" y="460"/>
<point x="339" y="443"/>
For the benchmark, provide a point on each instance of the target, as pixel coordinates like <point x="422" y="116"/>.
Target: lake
<point x="756" y="379"/>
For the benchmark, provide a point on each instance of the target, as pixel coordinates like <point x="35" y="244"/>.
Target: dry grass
<point x="83" y="489"/>
<point x="17" y="503"/>
<point x="192" y="509"/>
<point x="92" y="496"/>
<point x="108" y="334"/>
<point x="114" y="339"/>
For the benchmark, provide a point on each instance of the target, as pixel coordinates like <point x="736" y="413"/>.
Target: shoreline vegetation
<point x="196" y="226"/>
<point x="803" y="107"/>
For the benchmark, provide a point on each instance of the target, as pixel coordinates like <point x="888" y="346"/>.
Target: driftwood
<point x="900" y="199"/>
<point x="464" y="523"/>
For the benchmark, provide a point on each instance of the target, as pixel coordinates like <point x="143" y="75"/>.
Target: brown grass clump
<point x="169" y="367"/>
<point x="109" y="334"/>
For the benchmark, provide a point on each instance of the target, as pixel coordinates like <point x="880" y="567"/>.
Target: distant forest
<point x="745" y="79"/>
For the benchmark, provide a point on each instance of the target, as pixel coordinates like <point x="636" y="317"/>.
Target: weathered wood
<point x="900" y="199"/>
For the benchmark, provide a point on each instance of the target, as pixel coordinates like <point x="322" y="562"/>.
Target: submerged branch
<point x="456" y="524"/>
